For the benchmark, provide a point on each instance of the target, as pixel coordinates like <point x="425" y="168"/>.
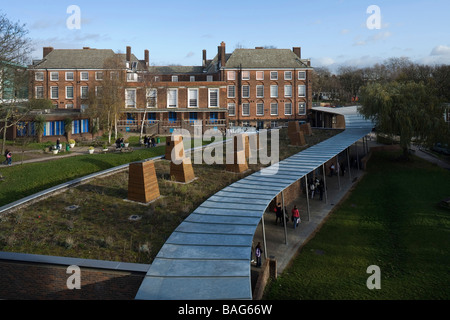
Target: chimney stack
<point x="221" y="49"/>
<point x="46" y="51"/>
<point x="204" y="58"/>
<point x="147" y="57"/>
<point x="297" y="51"/>
<point x="128" y="53"/>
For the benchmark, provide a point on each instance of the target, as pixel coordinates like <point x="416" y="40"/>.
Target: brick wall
<point x="35" y="281"/>
<point x="281" y="100"/>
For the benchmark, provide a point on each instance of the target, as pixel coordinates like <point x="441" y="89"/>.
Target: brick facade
<point x="282" y="92"/>
<point x="32" y="281"/>
<point x="247" y="94"/>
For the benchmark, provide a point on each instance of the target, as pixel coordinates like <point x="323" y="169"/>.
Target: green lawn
<point x="391" y="220"/>
<point x="24" y="180"/>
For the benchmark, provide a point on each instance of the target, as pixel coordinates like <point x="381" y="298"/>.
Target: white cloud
<point x="439" y="55"/>
<point x="345" y="31"/>
<point x="322" y="62"/>
<point x="360" y="43"/>
<point x="440" y="50"/>
<point x="379" y="36"/>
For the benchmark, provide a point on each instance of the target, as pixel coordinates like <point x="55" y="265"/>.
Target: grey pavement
<point x="338" y="188"/>
<point x="275" y="244"/>
<point x="424" y="154"/>
<point x="76" y="151"/>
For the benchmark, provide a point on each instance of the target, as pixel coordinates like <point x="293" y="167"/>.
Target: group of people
<point x="340" y="169"/>
<point x="8" y="157"/>
<point x="149" y="142"/>
<point x="317" y="186"/>
<point x="120" y="143"/>
<point x="280" y="213"/>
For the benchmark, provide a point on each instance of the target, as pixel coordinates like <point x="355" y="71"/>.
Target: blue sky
<point x="330" y="32"/>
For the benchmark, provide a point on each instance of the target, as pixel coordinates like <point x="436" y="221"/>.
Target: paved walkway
<point x="276" y="247"/>
<point x="41" y="157"/>
<point x="424" y="154"/>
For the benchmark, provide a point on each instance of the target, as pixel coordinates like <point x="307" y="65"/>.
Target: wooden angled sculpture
<point x="239" y="163"/>
<point x="296" y="136"/>
<point x="142" y="182"/>
<point x="306" y="129"/>
<point x="180" y="166"/>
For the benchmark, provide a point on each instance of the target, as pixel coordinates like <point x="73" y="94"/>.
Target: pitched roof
<point x="74" y="59"/>
<point x="80" y="59"/>
<point x="176" y="69"/>
<point x="265" y="58"/>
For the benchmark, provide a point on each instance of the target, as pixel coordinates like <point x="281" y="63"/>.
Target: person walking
<point x="332" y="170"/>
<point x="321" y="188"/>
<point x="312" y="188"/>
<point x="342" y="166"/>
<point x="146" y="141"/>
<point x="279" y="213"/>
<point x="8" y="156"/>
<point x="258" y="252"/>
<point x="285" y="214"/>
<point x="295" y="216"/>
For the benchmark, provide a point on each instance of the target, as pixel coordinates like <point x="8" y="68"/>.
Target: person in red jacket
<point x="295" y="216"/>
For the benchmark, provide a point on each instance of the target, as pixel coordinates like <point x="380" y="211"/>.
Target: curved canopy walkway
<point x="208" y="255"/>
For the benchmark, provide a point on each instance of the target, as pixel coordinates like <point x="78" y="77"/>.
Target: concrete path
<point x="76" y="151"/>
<point x="424" y="154"/>
<point x="276" y="247"/>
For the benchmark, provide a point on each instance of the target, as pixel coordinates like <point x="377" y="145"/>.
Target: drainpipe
<point x="239" y="84"/>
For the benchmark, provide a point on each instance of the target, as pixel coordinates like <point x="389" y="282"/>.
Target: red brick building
<point x="248" y="87"/>
<point x="267" y="87"/>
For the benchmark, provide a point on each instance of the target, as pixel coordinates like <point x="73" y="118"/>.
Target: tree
<point x="151" y="89"/>
<point x="108" y="101"/>
<point x="319" y="78"/>
<point x="15" y="48"/>
<point x="407" y="109"/>
<point x="351" y="79"/>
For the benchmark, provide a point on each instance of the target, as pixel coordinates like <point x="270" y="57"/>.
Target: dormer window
<point x="132" y="76"/>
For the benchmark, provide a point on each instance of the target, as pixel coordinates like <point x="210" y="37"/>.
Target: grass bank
<point x="24" y="180"/>
<point x="92" y="220"/>
<point x="392" y="220"/>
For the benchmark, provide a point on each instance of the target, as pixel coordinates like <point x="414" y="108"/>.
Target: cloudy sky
<point x="330" y="32"/>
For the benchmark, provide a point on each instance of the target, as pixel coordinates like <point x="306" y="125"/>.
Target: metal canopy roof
<point x="208" y="255"/>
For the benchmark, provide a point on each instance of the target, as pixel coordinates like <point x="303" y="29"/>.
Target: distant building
<point x="267" y="87"/>
<point x="249" y="87"/>
<point x="13" y="85"/>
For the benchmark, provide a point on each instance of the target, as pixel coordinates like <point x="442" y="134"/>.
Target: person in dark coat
<point x="279" y="213"/>
<point x="258" y="253"/>
<point x="321" y="188"/>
